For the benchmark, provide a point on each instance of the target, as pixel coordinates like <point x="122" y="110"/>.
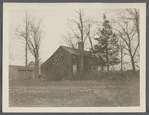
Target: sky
<point x="55" y="26"/>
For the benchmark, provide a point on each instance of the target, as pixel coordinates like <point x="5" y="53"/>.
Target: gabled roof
<point x="76" y="51"/>
<point x="93" y="59"/>
<point x="21" y="67"/>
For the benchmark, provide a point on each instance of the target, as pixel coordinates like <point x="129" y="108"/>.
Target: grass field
<point x="92" y="93"/>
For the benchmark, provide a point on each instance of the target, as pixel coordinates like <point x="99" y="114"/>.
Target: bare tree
<point x="23" y="34"/>
<point x="32" y="35"/>
<point x="78" y="28"/>
<point x="69" y="39"/>
<point x="130" y="33"/>
<point x="91" y="31"/>
<point x="34" y="42"/>
<point x="82" y="28"/>
<point x="122" y="54"/>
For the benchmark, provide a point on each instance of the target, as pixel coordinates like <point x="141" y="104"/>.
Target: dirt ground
<point x="38" y="93"/>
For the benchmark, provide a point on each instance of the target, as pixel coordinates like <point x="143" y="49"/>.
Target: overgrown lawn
<point x="106" y="91"/>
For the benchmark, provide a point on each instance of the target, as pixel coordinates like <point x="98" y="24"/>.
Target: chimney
<point x="81" y="46"/>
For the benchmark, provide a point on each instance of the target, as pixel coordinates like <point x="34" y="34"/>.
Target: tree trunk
<point x="107" y="58"/>
<point x="26" y="59"/>
<point x="121" y="57"/>
<point x="107" y="63"/>
<point x="91" y="43"/>
<point x="133" y="64"/>
<point x="82" y="65"/>
<point x="26" y="48"/>
<point x="107" y="66"/>
<point x="36" y="67"/>
<point x="132" y="60"/>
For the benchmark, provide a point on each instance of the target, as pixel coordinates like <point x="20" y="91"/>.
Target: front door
<point x="74" y="68"/>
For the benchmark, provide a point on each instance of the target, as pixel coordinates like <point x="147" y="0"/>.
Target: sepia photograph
<point x="74" y="57"/>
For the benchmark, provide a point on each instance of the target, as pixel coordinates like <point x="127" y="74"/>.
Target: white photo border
<point x="5" y="70"/>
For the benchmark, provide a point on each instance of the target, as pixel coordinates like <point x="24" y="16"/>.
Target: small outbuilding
<point x="19" y="72"/>
<point x="32" y="65"/>
<point x="65" y="64"/>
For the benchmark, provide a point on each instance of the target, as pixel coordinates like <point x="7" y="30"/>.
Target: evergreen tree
<point x="107" y="48"/>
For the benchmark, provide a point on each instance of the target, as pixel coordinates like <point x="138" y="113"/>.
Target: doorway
<point x="74" y="68"/>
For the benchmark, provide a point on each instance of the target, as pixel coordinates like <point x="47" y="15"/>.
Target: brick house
<point x="65" y="64"/>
